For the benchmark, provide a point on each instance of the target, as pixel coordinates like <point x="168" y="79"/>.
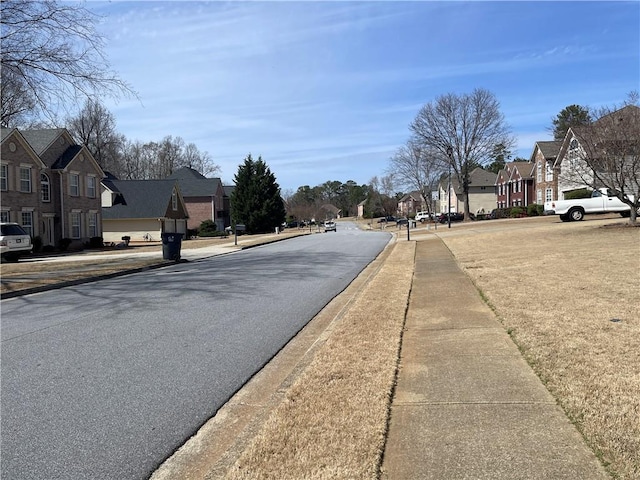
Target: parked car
<point x="330" y="226"/>
<point x="389" y="218"/>
<point x="14" y="241"/>
<point x="455" y="217"/>
<point x="423" y="216"/>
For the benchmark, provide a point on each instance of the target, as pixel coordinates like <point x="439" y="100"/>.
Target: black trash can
<point x="171" y="244"/>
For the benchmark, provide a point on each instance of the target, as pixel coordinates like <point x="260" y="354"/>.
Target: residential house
<point x="613" y="130"/>
<point x="50" y="185"/>
<point x="448" y="199"/>
<point x="142" y="209"/>
<point x="204" y="197"/>
<point x="411" y="203"/>
<point x="515" y="185"/>
<point x="543" y="157"/>
<point x="330" y="212"/>
<point x="482" y="196"/>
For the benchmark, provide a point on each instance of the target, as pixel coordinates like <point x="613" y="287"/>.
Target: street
<point x="105" y="380"/>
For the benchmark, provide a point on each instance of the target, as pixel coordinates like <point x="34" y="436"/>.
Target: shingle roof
<point x="480" y="177"/>
<point x="194" y="184"/>
<point x="186" y="173"/>
<point x="550" y="149"/>
<point x="139" y="198"/>
<point x="65" y="159"/>
<point x="524" y="168"/>
<point x="42" y="138"/>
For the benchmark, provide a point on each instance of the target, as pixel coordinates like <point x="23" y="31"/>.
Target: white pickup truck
<point x="601" y="201"/>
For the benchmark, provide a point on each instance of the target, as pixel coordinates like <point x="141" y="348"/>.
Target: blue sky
<point x="327" y="90"/>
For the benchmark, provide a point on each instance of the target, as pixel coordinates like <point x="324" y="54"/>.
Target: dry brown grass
<point x="557" y="287"/>
<point x="332" y="422"/>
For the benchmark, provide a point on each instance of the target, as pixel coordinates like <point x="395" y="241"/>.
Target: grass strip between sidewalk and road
<point x="332" y="422"/>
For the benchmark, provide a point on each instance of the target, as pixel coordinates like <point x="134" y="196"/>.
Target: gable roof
<point x="415" y="195"/>
<point x="40" y="139"/>
<point x="139" y="198"/>
<point x="479" y="177"/>
<point x="186" y="173"/>
<point x="194" y="184"/>
<point x="525" y="169"/>
<point x="549" y="149"/>
<point x="7" y="133"/>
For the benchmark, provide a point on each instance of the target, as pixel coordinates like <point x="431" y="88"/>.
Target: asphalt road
<point x="106" y="380"/>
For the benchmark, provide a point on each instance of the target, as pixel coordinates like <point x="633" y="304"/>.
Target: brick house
<point x="543" y="157"/>
<point x="50" y="185"/>
<point x="515" y="185"/>
<point x="411" y="203"/>
<point x="205" y="198"/>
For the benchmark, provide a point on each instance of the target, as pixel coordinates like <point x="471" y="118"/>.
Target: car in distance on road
<point x="329" y="226"/>
<point x="14" y="241"/>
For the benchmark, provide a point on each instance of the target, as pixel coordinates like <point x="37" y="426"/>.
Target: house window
<point x="27" y="222"/>
<point x="549" y="172"/>
<point x="45" y="188"/>
<point x="174" y="200"/>
<point x="93" y="224"/>
<point x="74" y="185"/>
<point x="538" y="196"/>
<point x="75" y="224"/>
<point x="25" y="179"/>
<point x="91" y="187"/>
<point x="4" y="178"/>
<point x="539" y="171"/>
<point x="5" y="216"/>
<point x="548" y="195"/>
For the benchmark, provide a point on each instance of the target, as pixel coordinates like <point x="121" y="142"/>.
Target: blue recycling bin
<point x="171" y="244"/>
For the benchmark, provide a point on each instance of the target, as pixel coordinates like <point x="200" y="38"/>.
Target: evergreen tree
<point x="256" y="200"/>
<point x="570" y="116"/>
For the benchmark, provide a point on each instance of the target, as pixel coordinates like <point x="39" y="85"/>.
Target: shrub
<point x="580" y="193"/>
<point x="501" y="213"/>
<point x="64" y="243"/>
<point x="534" y="210"/>
<point x="517" y="212"/>
<point x="208" y="228"/>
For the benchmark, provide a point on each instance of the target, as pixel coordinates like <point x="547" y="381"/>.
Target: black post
<point x="450" y="154"/>
<point x="408" y="221"/>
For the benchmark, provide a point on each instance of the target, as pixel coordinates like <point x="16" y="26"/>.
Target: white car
<point x="423" y="216"/>
<point x="329" y="226"/>
<point x="14" y="241"/>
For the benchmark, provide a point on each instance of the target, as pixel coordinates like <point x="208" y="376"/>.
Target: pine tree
<point x="256" y="200"/>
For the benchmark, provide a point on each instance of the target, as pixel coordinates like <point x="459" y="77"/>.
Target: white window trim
<point x="75" y="214"/>
<point x="24" y="168"/>
<point x="4" y="177"/>
<point x="91" y="179"/>
<point x="73" y="186"/>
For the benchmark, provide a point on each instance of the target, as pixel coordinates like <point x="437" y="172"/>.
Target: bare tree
<point x="464" y="131"/>
<point x="417" y="168"/>
<point x="607" y="153"/>
<point x="381" y="195"/>
<point x="95" y="127"/>
<point x="52" y="56"/>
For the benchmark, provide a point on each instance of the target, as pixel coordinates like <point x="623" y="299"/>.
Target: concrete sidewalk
<point x="467" y="405"/>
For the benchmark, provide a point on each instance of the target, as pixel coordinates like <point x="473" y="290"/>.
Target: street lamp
<point x="450" y="155"/>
